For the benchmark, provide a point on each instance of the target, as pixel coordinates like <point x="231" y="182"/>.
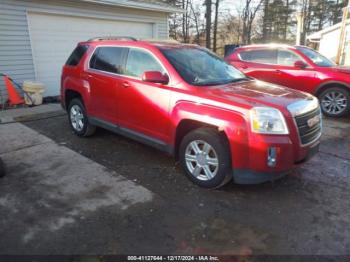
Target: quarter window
<point x="140" y="61"/>
<point x="264" y="56"/>
<point x="109" y="59"/>
<point x="76" y="55"/>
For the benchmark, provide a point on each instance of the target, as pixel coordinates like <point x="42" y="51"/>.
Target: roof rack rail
<point x="166" y="41"/>
<point x="101" y="38"/>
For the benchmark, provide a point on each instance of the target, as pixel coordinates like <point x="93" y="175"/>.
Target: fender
<point x="330" y="82"/>
<point x="232" y="123"/>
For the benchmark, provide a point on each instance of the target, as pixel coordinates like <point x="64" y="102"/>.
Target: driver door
<point x="287" y="74"/>
<point x="144" y="107"/>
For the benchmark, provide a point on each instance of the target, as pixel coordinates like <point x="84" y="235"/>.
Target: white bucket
<point x="35" y="91"/>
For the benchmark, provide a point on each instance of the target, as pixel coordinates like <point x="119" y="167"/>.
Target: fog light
<point x="272" y="157"/>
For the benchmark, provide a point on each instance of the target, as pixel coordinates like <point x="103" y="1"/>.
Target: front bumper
<point x="251" y="176"/>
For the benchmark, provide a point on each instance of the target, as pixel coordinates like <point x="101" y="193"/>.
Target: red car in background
<point x="300" y="68"/>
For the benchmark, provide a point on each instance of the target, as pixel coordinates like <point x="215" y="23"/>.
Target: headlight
<point x="267" y="120"/>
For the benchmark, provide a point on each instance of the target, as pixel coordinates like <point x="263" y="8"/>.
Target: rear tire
<point x="205" y="157"/>
<point x="335" y="101"/>
<point x="79" y="120"/>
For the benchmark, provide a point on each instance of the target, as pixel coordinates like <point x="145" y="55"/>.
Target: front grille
<point x="308" y="134"/>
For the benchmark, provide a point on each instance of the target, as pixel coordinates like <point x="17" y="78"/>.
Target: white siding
<point x="330" y="41"/>
<point x="15" y="47"/>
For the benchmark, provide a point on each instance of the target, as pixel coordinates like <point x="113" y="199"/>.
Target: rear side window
<point x="109" y="59"/>
<point x="265" y="56"/>
<point x="77" y="54"/>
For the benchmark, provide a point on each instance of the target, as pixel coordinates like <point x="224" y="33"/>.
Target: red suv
<point x="300" y="68"/>
<point x="188" y="102"/>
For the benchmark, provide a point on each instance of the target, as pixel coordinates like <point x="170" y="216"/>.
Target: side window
<point x="265" y="56"/>
<point x="287" y="58"/>
<point x="140" y="61"/>
<point x="110" y="59"/>
<point x="76" y="55"/>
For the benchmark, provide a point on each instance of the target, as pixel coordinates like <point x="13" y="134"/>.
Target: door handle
<point x="278" y="71"/>
<point x="125" y="84"/>
<point x="244" y="67"/>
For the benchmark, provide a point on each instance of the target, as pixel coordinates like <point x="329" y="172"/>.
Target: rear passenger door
<point x="143" y="106"/>
<point x="106" y="66"/>
<point x="259" y="63"/>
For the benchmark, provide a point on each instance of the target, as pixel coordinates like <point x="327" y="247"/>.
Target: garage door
<point x="53" y="38"/>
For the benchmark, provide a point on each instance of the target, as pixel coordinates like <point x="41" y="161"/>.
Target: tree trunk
<point x="208" y="23"/>
<point x="216" y="24"/>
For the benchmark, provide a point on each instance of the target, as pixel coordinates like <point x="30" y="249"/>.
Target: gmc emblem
<point x="313" y="121"/>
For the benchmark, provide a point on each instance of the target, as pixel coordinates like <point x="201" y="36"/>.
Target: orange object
<point x="14" y="97"/>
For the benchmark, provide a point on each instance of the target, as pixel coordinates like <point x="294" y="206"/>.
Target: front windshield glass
<point x="199" y="67"/>
<point x="316" y="57"/>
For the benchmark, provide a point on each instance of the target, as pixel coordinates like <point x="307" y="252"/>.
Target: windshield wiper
<point x="238" y="80"/>
<point x="216" y="83"/>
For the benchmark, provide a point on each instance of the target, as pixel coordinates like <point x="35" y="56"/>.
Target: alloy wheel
<point x="334" y="102"/>
<point x="77" y="118"/>
<point x="201" y="160"/>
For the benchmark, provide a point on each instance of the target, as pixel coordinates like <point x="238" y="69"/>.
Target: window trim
<point x="127" y="76"/>
<point x="276" y="49"/>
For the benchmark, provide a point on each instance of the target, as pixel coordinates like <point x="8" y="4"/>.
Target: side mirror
<point x="155" y="77"/>
<point x="300" y="64"/>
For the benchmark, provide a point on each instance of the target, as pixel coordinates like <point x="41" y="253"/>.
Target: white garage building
<point x="327" y="42"/>
<point x="37" y="36"/>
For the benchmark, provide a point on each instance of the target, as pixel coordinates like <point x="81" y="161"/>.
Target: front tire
<point x="335" y="101"/>
<point x="205" y="157"/>
<point x="78" y="119"/>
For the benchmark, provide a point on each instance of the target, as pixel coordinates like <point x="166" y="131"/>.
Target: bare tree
<point x="185" y="20"/>
<point x="195" y="18"/>
<point x="248" y="14"/>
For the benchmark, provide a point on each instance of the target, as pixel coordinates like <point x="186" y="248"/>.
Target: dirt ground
<point x="128" y="198"/>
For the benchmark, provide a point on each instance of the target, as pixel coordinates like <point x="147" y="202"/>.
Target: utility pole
<point x="300" y="26"/>
<point x="342" y="33"/>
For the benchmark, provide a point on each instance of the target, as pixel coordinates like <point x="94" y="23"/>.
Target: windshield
<point x="316" y="57"/>
<point x="199" y="67"/>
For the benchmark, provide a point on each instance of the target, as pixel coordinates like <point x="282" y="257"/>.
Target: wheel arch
<point x="186" y="126"/>
<point x="328" y="84"/>
<point x="69" y="95"/>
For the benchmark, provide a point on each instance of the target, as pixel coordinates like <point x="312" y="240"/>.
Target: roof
<point x="152" y="5"/>
<point x="271" y="45"/>
<point x="318" y="35"/>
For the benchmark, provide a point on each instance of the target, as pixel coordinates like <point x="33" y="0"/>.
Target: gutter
<point x="138" y="5"/>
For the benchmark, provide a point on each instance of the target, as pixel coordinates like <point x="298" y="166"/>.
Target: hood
<point x="258" y="93"/>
